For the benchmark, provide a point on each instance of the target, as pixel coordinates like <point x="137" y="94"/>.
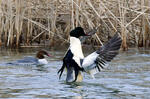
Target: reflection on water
<point x="127" y="77"/>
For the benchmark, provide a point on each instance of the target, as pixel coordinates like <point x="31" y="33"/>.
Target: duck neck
<point x="75" y="46"/>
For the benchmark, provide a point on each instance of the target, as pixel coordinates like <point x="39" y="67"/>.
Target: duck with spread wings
<point x="75" y="62"/>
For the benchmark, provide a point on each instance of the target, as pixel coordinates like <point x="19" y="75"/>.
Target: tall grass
<point x="39" y="22"/>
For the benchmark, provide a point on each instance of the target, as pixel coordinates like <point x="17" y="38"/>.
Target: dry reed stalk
<point x="48" y="19"/>
<point x="35" y="20"/>
<point x="123" y="28"/>
<point x="85" y="13"/>
<point x="77" y="13"/>
<point x="10" y="31"/>
<point x="18" y="20"/>
<point x="114" y="17"/>
<point x="72" y="14"/>
<point x="53" y="23"/>
<point x="5" y="22"/>
<point x="1" y="23"/>
<point x="29" y="26"/>
<point x="90" y="4"/>
<point x="145" y="29"/>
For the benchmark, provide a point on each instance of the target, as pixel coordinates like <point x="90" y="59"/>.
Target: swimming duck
<point x="29" y="60"/>
<point x="75" y="62"/>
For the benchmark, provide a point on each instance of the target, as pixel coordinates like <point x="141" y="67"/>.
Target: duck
<point x="75" y="62"/>
<point x="30" y="60"/>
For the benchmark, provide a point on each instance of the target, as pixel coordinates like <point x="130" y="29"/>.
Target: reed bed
<point x="48" y="22"/>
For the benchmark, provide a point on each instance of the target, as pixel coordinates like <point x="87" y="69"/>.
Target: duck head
<point x="41" y="54"/>
<point x="77" y="32"/>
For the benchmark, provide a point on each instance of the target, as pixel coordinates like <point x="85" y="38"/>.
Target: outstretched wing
<point x="97" y="60"/>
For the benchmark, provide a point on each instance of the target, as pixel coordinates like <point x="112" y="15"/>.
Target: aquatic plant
<point x="48" y="22"/>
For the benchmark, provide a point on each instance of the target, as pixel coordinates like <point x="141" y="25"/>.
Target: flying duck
<point x="29" y="60"/>
<point x="75" y="62"/>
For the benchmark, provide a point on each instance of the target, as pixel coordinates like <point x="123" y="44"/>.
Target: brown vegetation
<point x="27" y="22"/>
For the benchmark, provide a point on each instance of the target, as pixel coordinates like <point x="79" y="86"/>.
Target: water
<point x="127" y="77"/>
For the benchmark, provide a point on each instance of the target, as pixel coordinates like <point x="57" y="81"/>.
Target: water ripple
<point x="127" y="77"/>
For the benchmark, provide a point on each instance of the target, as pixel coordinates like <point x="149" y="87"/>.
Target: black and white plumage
<point x="97" y="61"/>
<point x="75" y="62"/>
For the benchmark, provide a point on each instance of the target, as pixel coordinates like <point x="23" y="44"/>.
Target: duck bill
<point x="70" y="74"/>
<point x="87" y="35"/>
<point x="49" y="55"/>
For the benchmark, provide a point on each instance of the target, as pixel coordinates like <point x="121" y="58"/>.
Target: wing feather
<point x="99" y="59"/>
<point x="108" y="51"/>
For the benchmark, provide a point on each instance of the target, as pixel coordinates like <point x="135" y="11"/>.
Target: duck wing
<point x="96" y="61"/>
<point x="28" y="59"/>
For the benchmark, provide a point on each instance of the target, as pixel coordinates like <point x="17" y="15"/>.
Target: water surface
<point x="127" y="77"/>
